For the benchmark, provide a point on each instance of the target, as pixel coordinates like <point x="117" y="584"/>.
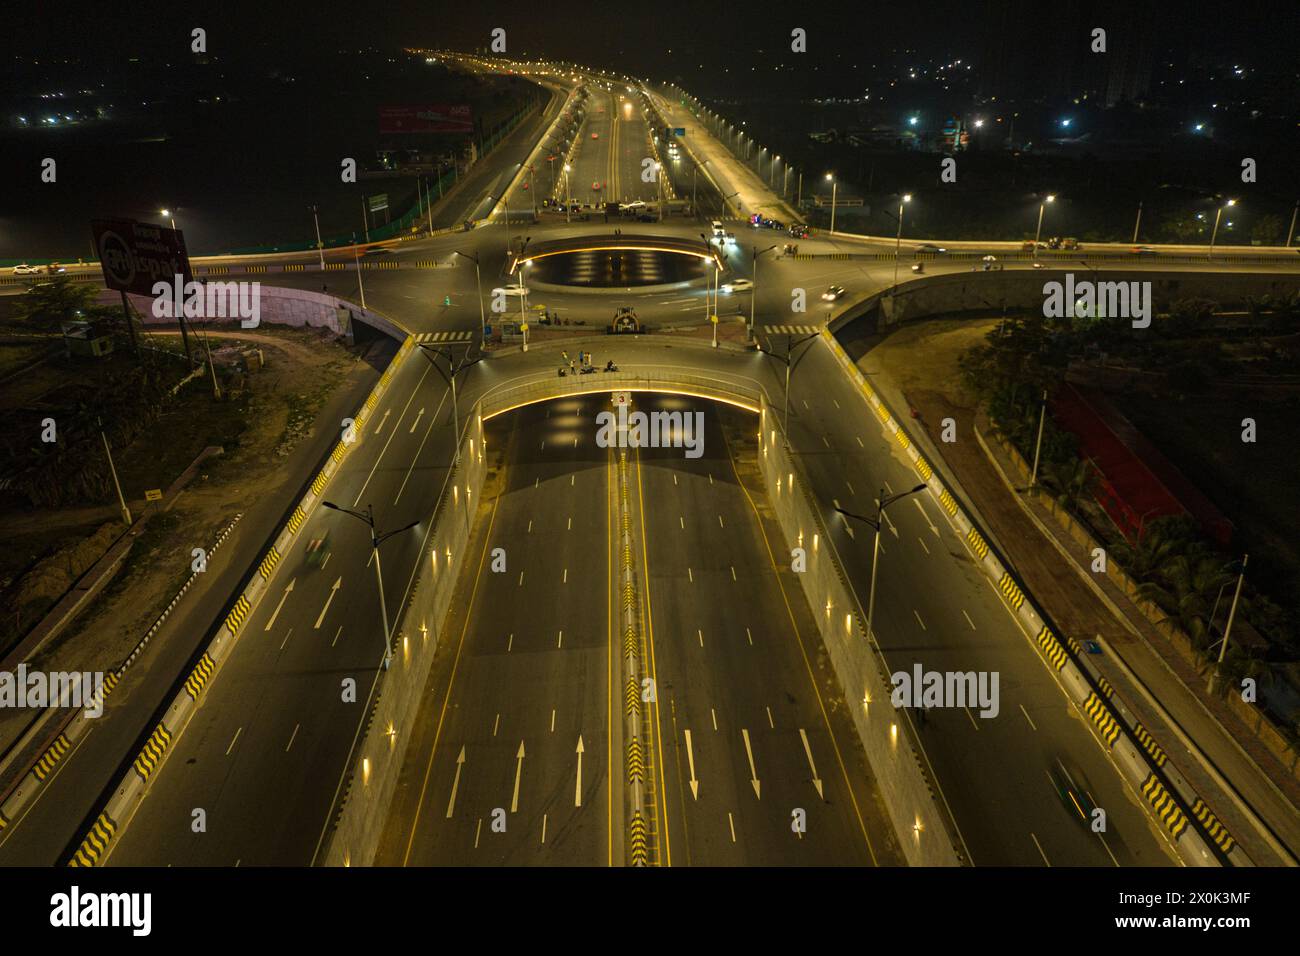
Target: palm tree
<point x="1186" y="587"/>
<point x="1074" y="480"/>
<point x="1162" y="540"/>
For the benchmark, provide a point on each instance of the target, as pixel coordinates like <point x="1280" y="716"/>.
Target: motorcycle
<point x="587" y="370"/>
<point x="610" y="366"/>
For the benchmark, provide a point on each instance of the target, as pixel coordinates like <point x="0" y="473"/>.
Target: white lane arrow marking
<point x="753" y="774"/>
<point x="690" y="759"/>
<point x="334" y="589"/>
<point x="519" y="770"/>
<point x="455" y="783"/>
<point x="284" y="597"/>
<point x="380" y="426"/>
<point x="926" y="517"/>
<point x="808" y="750"/>
<point x="416" y="422"/>
<point x="577" y="787"/>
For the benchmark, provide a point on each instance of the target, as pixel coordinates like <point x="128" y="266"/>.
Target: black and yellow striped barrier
<point x="900" y="436"/>
<point x="631" y="698"/>
<point x="296" y="519"/>
<point x="1103" y="685"/>
<point x="340" y="450"/>
<point x="977" y="544"/>
<point x="335" y="266"/>
<point x="256" y="269"/>
<point x="4" y="821"/>
<point x="949" y="503"/>
<point x="110" y="681"/>
<point x="923" y="468"/>
<point x="199" y="676"/>
<point x="1149" y="745"/>
<point x="294" y="267"/>
<point x="1095" y="708"/>
<point x="1166" y="807"/>
<point x="1217" y="831"/>
<point x="635" y="761"/>
<point x="152" y="752"/>
<point x="217" y="270"/>
<point x="268" y="563"/>
<point x="95" y="843"/>
<point x="1052" y="648"/>
<point x="51" y="757"/>
<point x="640" y="841"/>
<point x="238" y="614"/>
<point x="1011" y="591"/>
<point x="319" y="484"/>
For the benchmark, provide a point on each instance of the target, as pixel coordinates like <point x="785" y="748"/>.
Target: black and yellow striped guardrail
<point x="900" y="436"/>
<point x="1096" y="708"/>
<point x="923" y="468"/>
<point x="1149" y="745"/>
<point x="318" y="485"/>
<point x="110" y="681"/>
<point x="217" y="270"/>
<point x="255" y="269"/>
<point x="631" y="697"/>
<point x="1011" y="591"/>
<point x="1052" y="648"/>
<point x="1166" y="807"/>
<point x="294" y="267"/>
<point x="268" y="564"/>
<point x="199" y="676"/>
<point x="335" y="266"/>
<point x="949" y="503"/>
<point x="151" y="753"/>
<point x="296" y="519"/>
<point x="977" y="544"/>
<point x="1217" y="831"/>
<point x="640" y="841"/>
<point x="1103" y="685"/>
<point x="53" y="754"/>
<point x="340" y="450"/>
<point x="95" y="843"/>
<point x="238" y="614"/>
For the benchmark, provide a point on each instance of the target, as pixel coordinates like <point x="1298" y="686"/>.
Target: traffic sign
<point x="153" y="494"/>
<point x="621" y="398"/>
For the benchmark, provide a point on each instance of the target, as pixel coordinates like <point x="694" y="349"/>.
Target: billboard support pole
<point x="130" y="325"/>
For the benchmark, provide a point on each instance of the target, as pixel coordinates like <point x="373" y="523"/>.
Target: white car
<point x="833" y="293"/>
<point x="738" y="285"/>
<point x="511" y="290"/>
<point x="25" y="270"/>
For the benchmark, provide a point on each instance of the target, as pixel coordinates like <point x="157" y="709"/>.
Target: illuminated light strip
<point x="734" y="402"/>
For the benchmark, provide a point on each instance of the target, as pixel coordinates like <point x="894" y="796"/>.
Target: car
<point x="378" y="252"/>
<point x="511" y="290"/>
<point x="595" y="136"/>
<point x="798" y="231"/>
<point x="631" y="206"/>
<point x="25" y="270"/>
<point x="1076" y="798"/>
<point x="918" y="267"/>
<point x="1143" y="251"/>
<point x="318" y="550"/>
<point x="833" y="293"/>
<point x="595" y="186"/>
<point x="930" y="247"/>
<point x="738" y="285"/>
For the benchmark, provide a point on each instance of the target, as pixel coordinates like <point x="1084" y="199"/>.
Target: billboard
<point x="437" y="118"/>
<point x="135" y="255"/>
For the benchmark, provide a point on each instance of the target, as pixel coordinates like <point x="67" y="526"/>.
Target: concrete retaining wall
<point x="367" y="793"/>
<point x="923" y="828"/>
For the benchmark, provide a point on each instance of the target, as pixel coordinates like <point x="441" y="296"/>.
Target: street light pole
<point x="375" y="541"/>
<point x="898" y="241"/>
<point x="360" y="285"/>
<point x="753" y="292"/>
<point x="126" y="512"/>
<point x="478" y="281"/>
<point x="1038" y="444"/>
<point x="882" y="503"/>
<point x="1039" y="231"/>
<point x="834" y="187"/>
<point x="1227" y="630"/>
<point x="1137" y="223"/>
<point x="1290" y="233"/>
<point x="319" y="247"/>
<point x="1217" y="216"/>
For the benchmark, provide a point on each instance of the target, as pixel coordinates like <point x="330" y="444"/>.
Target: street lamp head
<point x="830" y="176"/>
<point x="331" y="505"/>
<point x="165" y="213"/>
<point x="907" y="197"/>
<point x="1232" y="202"/>
<point x="1050" y="198"/>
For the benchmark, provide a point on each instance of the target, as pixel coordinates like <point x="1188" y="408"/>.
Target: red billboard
<point x="426" y="119"/>
<point x="135" y="255"/>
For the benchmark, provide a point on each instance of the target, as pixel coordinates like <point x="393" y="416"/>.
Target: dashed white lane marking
<point x="559" y="641"/>
<point x="510" y="643"/>
<point x="700" y="634"/>
<point x="731" y="823"/>
<point x="968" y="620"/>
<point x="750" y="636"/>
<point x="336" y="636"/>
<point x="690" y="574"/>
<point x="292" y="737"/>
<point x="769" y="718"/>
<point x="860" y="445"/>
<point x="1040" y="849"/>
<point x="927" y="550"/>
<point x="973" y="722"/>
<point x="714" y="714"/>
<point x="233" y="739"/>
<point x="918" y="618"/>
<point x="1027" y="717"/>
<point x="496" y="724"/>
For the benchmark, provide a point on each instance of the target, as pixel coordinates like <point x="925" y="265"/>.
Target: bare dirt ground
<point x="258" y="429"/>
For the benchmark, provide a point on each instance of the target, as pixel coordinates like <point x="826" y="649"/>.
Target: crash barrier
<point x="908" y="791"/>
<point x="977" y="291"/>
<point x="133" y="785"/>
<point x="366" y="790"/>
<point x="925" y="830"/>
<point x="1198" y="838"/>
<point x="68" y="727"/>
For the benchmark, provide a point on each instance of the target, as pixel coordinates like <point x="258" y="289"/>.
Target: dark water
<point x="239" y="170"/>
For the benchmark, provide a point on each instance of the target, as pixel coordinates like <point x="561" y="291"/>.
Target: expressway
<point x="747" y="735"/>
<point x="264" y="754"/>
